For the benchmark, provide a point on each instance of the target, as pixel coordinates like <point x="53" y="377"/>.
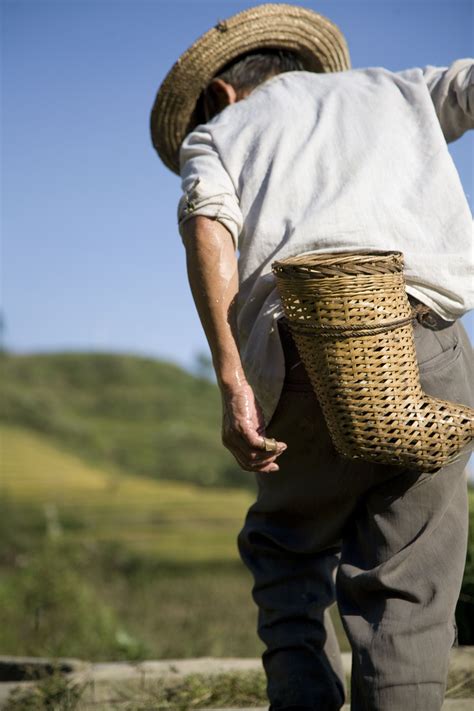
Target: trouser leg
<point x="403" y="545"/>
<point x="291" y="542"/>
<point x="293" y="593"/>
<point x="402" y="562"/>
<point x="398" y="583"/>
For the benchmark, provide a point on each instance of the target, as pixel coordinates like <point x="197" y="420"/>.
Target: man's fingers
<point x="251" y="462"/>
<point x="259" y="467"/>
<point x="236" y="445"/>
<point x="260" y="455"/>
<point x="253" y="451"/>
<point x="260" y="443"/>
<point x="260" y="448"/>
<point x="255" y="458"/>
<point x="251" y="446"/>
<point x="257" y="461"/>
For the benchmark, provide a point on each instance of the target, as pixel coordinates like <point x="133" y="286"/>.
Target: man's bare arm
<point x="213" y="277"/>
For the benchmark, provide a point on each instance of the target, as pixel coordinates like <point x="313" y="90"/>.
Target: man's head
<point x="236" y="55"/>
<point x="237" y="80"/>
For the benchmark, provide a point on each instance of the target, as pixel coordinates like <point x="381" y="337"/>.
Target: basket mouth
<point x="318" y="265"/>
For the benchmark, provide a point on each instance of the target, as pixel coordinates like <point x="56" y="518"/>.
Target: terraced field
<point x="157" y="560"/>
<point x="174" y="521"/>
<point x="98" y="564"/>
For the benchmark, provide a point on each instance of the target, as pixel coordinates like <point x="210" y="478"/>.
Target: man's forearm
<point x="213" y="277"/>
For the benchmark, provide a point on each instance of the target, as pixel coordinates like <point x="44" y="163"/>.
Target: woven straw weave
<point x="352" y="323"/>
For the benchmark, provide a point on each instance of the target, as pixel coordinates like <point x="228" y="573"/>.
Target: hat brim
<point x="317" y="41"/>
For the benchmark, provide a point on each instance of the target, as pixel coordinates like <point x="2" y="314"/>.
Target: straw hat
<point x="316" y="40"/>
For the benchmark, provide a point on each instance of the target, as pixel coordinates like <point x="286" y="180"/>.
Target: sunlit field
<point x="99" y="564"/>
<point x="173" y="521"/>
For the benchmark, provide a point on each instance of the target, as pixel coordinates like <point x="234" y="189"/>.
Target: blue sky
<point x="92" y="259"/>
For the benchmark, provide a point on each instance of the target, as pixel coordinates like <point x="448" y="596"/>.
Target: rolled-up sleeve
<point x="207" y="187"/>
<point x="452" y="92"/>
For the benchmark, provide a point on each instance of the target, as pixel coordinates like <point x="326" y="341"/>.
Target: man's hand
<point x="243" y="430"/>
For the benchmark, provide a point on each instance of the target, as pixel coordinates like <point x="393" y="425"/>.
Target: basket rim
<point x="316" y="263"/>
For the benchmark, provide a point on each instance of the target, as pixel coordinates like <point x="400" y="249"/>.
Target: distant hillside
<point x="139" y="414"/>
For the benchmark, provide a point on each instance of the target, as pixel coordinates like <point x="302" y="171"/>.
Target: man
<point x="284" y="150"/>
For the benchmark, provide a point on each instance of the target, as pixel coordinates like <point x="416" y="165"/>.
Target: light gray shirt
<point x="336" y="162"/>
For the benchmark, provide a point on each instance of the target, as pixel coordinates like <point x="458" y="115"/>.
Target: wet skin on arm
<point x="213" y="276"/>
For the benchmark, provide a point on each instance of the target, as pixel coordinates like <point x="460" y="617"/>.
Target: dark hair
<point x="246" y="72"/>
<point x="252" y="69"/>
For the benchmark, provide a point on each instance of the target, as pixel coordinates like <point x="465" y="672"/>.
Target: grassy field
<point x="98" y="564"/>
<point x="174" y="521"/>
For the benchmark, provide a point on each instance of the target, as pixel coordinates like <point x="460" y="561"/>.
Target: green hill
<point x="139" y="414"/>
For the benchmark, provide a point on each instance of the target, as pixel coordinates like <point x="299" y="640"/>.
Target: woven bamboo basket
<point x="351" y="320"/>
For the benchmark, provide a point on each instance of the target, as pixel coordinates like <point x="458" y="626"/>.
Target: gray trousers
<point x="387" y="544"/>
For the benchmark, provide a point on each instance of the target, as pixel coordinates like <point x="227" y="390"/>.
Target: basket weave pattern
<point x="352" y="323"/>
